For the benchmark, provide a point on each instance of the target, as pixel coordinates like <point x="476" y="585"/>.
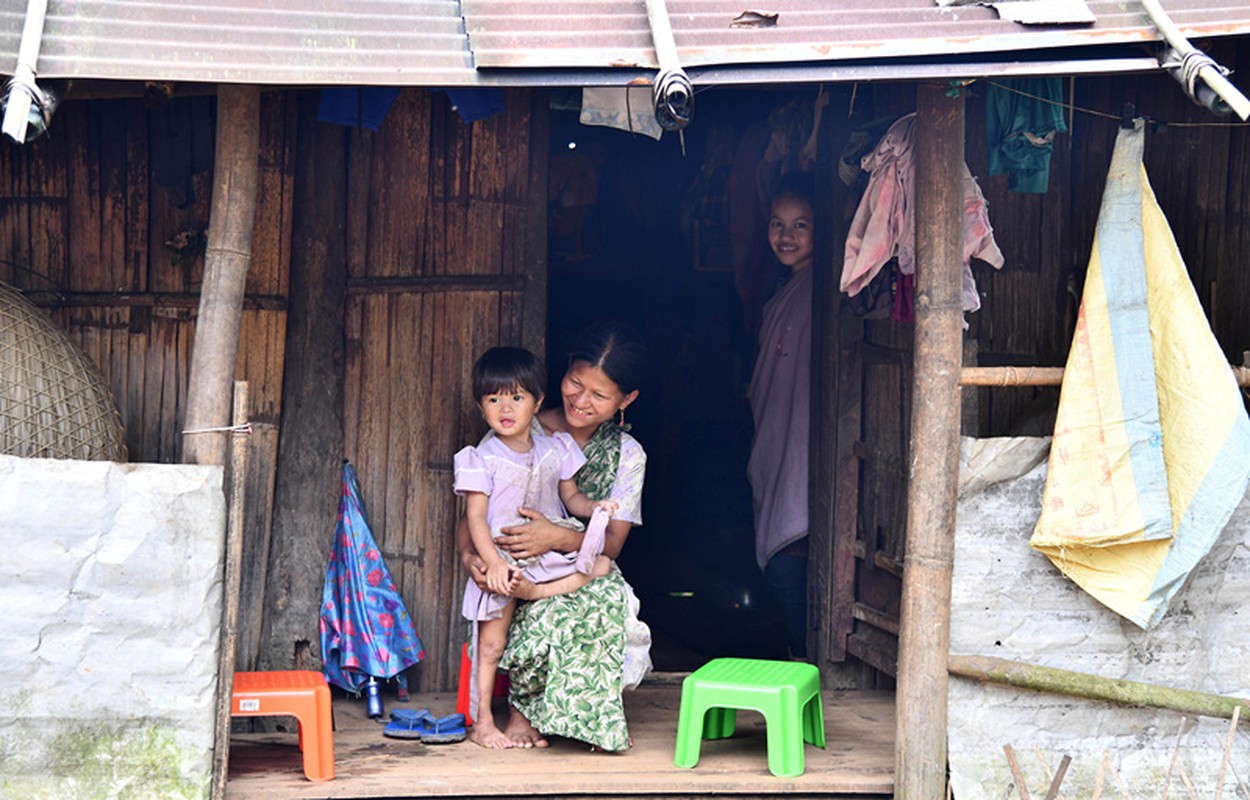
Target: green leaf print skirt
<point x="564" y="658"/>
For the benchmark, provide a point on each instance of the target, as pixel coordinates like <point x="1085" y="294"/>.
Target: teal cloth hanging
<point x="1020" y="130"/>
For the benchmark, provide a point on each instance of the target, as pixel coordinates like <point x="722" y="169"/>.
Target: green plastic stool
<point x="787" y="693"/>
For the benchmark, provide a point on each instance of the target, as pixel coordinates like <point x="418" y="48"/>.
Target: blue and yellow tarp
<point x="1151" y="452"/>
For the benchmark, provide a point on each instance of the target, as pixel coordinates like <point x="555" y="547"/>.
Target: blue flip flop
<point x="408" y="715"/>
<point x="408" y="724"/>
<point x="443" y="730"/>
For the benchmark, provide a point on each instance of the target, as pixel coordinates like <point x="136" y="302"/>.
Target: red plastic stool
<point x="502" y="684"/>
<point x="302" y="694"/>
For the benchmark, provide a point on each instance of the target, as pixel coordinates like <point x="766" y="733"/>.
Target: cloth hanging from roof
<point x="626" y="108"/>
<point x="884" y="223"/>
<point x="1022" y="117"/>
<point x="365" y="627"/>
<point x="356" y="106"/>
<point x="475" y="102"/>
<point x="1151" y="452"/>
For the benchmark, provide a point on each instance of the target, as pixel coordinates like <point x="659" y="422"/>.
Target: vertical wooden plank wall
<point x="85" y="218"/>
<point x="440" y="242"/>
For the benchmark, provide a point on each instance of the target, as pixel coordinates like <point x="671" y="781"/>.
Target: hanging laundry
<point x="624" y="108"/>
<point x="884" y="223"/>
<point x="1151" y="452"/>
<point x="1022" y="117"/>
<point x="475" y="102"/>
<point x="356" y="106"/>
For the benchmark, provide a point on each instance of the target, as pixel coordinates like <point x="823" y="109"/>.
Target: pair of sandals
<point x="408" y="724"/>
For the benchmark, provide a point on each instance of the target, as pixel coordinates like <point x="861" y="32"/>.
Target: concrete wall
<point x="110" y="584"/>
<point x="1009" y="601"/>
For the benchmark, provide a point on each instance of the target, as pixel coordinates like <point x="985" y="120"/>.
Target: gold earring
<point x="621" y="421"/>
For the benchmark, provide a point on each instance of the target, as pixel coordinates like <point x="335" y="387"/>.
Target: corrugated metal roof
<point x="354" y="42"/>
<point x="578" y="42"/>
<point x="604" y="33"/>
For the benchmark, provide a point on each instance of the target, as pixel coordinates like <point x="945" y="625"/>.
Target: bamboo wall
<point x="446" y="242"/>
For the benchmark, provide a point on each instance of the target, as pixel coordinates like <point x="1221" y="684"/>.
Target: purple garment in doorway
<point x="780" y="398"/>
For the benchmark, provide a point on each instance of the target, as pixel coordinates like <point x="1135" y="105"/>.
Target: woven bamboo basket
<point x="53" y="401"/>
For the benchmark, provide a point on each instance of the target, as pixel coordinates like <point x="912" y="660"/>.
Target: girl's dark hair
<point x="617" y="350"/>
<point x="503" y="369"/>
<point x="796" y="184"/>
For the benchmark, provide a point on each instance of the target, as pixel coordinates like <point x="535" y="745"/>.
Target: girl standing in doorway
<point x="780" y="396"/>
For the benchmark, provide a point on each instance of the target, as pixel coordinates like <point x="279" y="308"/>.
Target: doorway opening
<point x="639" y="231"/>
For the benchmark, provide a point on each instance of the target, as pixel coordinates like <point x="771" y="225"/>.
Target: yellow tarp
<point x="1151" y="451"/>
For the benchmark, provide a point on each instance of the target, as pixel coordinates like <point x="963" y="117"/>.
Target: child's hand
<point x="609" y="506"/>
<point x="500" y="578"/>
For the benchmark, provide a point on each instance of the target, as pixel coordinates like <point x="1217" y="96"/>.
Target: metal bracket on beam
<point x="1203" y="79"/>
<point x="672" y="91"/>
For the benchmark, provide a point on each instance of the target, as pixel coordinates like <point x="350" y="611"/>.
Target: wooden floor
<point x="858" y="761"/>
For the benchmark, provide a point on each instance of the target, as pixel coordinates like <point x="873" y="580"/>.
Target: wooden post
<point x="226" y="260"/>
<point x="924" y="635"/>
<point x="310" y="448"/>
<point x="230" y="591"/>
<point x="837" y="392"/>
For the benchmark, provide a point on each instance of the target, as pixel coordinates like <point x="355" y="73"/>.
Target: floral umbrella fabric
<point x="365" y="627"/>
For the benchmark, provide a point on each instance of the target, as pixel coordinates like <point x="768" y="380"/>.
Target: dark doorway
<point x="638" y="231"/>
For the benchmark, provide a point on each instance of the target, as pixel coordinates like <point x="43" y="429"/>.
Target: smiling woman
<point x="569" y="656"/>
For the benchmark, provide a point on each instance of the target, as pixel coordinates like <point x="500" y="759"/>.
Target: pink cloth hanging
<point x="884" y="221"/>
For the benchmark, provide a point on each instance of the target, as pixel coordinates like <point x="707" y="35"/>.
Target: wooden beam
<point x="924" y="628"/>
<point x="258" y="302"/>
<point x="399" y="284"/>
<point x="226" y="260"/>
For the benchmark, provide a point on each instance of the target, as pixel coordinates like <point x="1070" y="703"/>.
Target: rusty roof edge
<point x="762" y="74"/>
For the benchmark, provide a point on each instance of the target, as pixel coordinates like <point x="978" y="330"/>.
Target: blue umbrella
<point x="366" y="631"/>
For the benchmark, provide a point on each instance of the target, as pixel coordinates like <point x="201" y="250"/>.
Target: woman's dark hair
<point x="617" y="350"/>
<point x="503" y="369"/>
<point x="796" y="184"/>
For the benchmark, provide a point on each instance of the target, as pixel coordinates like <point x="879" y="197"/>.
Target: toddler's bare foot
<point x="524" y="590"/>
<point x="522" y="733"/>
<point x="488" y="736"/>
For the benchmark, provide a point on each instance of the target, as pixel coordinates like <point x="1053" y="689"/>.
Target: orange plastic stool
<point x="502" y="684"/>
<point x="302" y="694"/>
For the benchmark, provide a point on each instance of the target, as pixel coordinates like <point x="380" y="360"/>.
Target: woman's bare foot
<point x="521" y="732"/>
<point x="487" y="735"/>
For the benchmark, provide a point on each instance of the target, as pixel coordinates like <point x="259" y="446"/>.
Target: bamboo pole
<point x="924" y="630"/>
<point x="230" y="590"/>
<point x="1043" y="376"/>
<point x="1093" y="687"/>
<point x="226" y="260"/>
